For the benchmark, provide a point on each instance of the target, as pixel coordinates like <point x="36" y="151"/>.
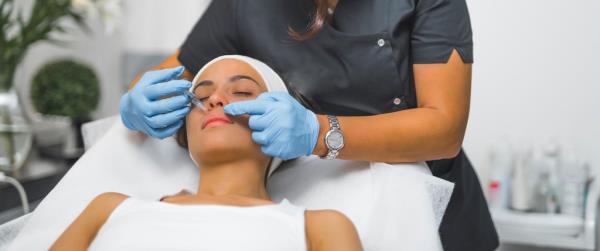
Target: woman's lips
<point x="215" y="121"/>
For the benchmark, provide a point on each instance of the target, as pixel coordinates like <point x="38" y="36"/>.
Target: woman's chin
<point x="216" y="155"/>
<point x="222" y="144"/>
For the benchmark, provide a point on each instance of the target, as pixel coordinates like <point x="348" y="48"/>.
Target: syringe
<point x="195" y="101"/>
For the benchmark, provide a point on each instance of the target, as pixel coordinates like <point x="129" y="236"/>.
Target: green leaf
<point x="65" y="88"/>
<point x="45" y="18"/>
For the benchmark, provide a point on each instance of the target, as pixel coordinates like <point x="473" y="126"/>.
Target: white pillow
<point x="150" y="168"/>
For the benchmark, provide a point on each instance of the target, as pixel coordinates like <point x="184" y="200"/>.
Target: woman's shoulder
<point x="105" y="203"/>
<point x="328" y="229"/>
<point x="326" y="216"/>
<point x="87" y="224"/>
<point x="109" y="198"/>
<point x="327" y="220"/>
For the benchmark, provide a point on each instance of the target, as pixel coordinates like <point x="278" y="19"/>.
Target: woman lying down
<point x="231" y="209"/>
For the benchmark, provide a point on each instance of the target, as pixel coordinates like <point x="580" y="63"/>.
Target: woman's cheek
<point x="242" y="119"/>
<point x="193" y="123"/>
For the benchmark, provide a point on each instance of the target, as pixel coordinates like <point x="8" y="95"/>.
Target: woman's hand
<point x="281" y="125"/>
<point x="146" y="107"/>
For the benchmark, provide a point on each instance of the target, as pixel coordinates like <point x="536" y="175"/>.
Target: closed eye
<point x="243" y="93"/>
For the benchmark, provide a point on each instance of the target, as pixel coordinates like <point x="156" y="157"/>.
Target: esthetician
<point x="387" y="81"/>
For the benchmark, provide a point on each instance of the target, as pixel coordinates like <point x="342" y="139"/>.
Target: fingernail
<point x="179" y="70"/>
<point x="184" y="87"/>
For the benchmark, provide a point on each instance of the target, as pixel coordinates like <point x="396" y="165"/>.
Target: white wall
<point x="535" y="76"/>
<point x="154" y="29"/>
<point x="158" y="26"/>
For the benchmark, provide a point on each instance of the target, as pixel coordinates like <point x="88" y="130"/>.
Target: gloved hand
<point x="281" y="125"/>
<point x="144" y="108"/>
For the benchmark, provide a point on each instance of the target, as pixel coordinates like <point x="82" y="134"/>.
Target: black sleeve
<point x="215" y="34"/>
<point x="440" y="26"/>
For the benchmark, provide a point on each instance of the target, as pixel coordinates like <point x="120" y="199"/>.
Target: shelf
<point x="538" y="229"/>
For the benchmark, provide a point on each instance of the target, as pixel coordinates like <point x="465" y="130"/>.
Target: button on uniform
<point x="381" y="42"/>
<point x="397" y="101"/>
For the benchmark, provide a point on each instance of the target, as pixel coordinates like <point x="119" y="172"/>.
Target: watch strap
<point x="334" y="125"/>
<point x="333" y="122"/>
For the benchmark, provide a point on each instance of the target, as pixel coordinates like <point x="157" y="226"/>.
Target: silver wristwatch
<point x="334" y="139"/>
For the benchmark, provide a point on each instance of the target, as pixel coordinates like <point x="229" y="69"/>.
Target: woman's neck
<point x="244" y="178"/>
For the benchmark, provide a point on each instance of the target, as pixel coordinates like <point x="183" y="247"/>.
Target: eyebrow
<point x="204" y="83"/>
<point x="240" y="77"/>
<point x="231" y="79"/>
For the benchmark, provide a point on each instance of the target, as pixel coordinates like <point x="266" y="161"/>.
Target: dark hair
<point x="181" y="135"/>
<point x="319" y="18"/>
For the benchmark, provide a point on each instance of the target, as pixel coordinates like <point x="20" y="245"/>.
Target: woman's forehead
<point x="223" y="70"/>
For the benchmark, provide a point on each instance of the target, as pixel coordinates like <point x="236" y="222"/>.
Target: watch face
<point x="335" y="140"/>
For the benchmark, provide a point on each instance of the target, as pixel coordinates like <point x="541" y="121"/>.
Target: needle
<point x="195" y="101"/>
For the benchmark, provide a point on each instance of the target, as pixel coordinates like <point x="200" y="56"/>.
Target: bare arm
<point x="80" y="234"/>
<point x="169" y="62"/>
<point x="433" y="130"/>
<point x="329" y="230"/>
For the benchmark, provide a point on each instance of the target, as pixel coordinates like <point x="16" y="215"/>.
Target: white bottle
<point x="501" y="163"/>
<point x="545" y="194"/>
<point x="574" y="178"/>
<point x="521" y="183"/>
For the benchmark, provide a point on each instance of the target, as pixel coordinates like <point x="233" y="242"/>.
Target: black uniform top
<point x="359" y="64"/>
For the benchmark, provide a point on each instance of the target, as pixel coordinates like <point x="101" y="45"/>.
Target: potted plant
<point x="66" y="88"/>
<point x="18" y="32"/>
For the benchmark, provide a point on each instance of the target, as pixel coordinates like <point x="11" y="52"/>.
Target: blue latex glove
<point x="145" y="108"/>
<point x="281" y="125"/>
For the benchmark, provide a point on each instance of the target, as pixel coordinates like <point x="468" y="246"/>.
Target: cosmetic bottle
<point x="521" y="182"/>
<point x="574" y="178"/>
<point x="501" y="163"/>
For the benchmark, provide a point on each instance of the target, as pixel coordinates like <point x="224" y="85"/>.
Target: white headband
<point x="269" y="76"/>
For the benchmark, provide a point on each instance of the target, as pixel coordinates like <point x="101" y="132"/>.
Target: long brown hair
<point x="319" y="18"/>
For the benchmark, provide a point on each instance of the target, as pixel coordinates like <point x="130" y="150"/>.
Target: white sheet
<point x="9" y="231"/>
<point x="395" y="206"/>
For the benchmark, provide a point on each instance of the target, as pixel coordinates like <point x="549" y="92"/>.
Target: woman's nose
<point x="216" y="100"/>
